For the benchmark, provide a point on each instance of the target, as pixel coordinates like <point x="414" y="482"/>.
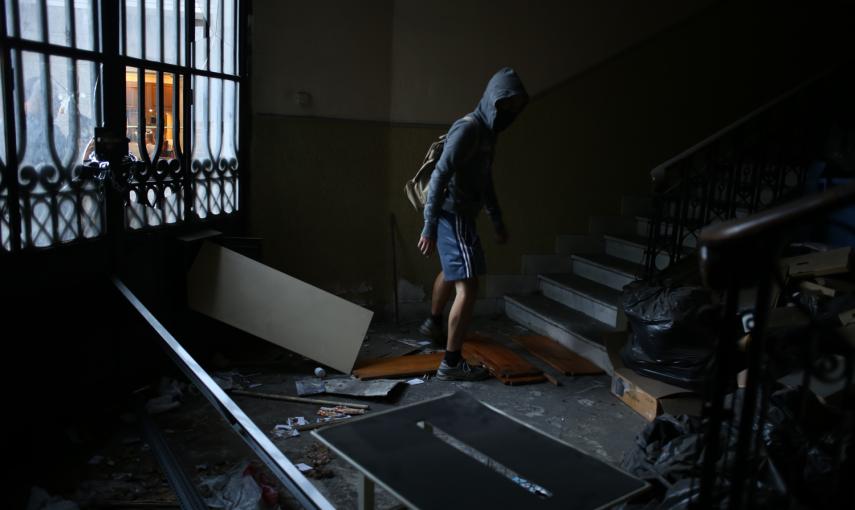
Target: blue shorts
<point x="459" y="247"/>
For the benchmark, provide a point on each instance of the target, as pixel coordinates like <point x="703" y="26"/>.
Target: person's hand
<point x="502" y="235"/>
<point x="426" y="245"/>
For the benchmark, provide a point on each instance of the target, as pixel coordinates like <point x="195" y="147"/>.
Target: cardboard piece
<point x="648" y="397"/>
<point x="276" y="307"/>
<point x="820" y="263"/>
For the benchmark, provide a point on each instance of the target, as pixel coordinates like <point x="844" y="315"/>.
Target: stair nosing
<point x="606" y="328"/>
<point x="588" y="260"/>
<point x="552" y="281"/>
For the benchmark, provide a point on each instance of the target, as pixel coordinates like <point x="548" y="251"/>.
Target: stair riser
<point x="581" y="302"/>
<point x="626" y="251"/>
<point x="601" y="275"/>
<point x="579" y="345"/>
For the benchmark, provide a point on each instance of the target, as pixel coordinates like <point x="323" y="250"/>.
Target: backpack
<point x="417" y="187"/>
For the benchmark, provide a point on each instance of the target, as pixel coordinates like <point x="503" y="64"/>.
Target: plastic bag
<point x="672" y="332"/>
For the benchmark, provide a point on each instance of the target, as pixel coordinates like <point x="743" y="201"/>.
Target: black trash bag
<point x="665" y="451"/>
<point x="671" y="332"/>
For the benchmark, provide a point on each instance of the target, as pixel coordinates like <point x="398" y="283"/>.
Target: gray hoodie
<point x="462" y="181"/>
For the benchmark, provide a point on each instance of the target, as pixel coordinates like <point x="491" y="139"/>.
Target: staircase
<point x="576" y="300"/>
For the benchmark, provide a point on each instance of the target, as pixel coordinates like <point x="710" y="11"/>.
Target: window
<point x="182" y="159"/>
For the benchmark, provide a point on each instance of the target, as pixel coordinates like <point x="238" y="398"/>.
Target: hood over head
<point x="504" y="84"/>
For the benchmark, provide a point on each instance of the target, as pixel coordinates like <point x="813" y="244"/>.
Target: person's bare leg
<point x="461" y="313"/>
<point x="441" y="294"/>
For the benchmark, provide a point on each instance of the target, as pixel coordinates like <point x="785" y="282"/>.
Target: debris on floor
<point x="337" y="411"/>
<point x="243" y="488"/>
<point x="41" y="500"/>
<point x="347" y="386"/>
<point x="318" y="457"/>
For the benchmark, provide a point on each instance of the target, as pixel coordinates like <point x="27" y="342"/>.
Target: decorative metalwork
<point x="56" y="106"/>
<point x="215" y="165"/>
<point x="713" y="185"/>
<point x="172" y="186"/>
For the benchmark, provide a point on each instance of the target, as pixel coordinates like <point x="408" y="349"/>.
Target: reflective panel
<point x="61" y="22"/>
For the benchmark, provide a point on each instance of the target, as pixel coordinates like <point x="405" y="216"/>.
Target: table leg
<point x="366" y="493"/>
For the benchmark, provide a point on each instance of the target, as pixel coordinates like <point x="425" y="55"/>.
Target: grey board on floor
<point x="352" y="387"/>
<point x="426" y="472"/>
<point x="279" y="308"/>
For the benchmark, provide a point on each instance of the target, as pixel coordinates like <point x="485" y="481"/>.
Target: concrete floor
<point x="120" y="467"/>
<point x="581" y="412"/>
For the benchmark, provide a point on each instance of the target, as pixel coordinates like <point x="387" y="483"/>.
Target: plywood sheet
<point x="402" y="366"/>
<point x="276" y="307"/>
<point x="557" y="356"/>
<point x="501" y="361"/>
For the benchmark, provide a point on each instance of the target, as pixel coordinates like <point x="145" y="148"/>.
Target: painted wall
<point x="322" y="189"/>
<point x="423" y="62"/>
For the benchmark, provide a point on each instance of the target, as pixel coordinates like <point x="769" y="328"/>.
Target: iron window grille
<point x="181" y="60"/>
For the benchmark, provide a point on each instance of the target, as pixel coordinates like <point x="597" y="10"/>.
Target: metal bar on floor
<point x="281" y="467"/>
<point x="185" y="491"/>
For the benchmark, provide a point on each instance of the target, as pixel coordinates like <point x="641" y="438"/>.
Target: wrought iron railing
<point x="764" y="447"/>
<point x="758" y="161"/>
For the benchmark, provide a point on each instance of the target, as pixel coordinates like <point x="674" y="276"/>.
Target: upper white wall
<point x="428" y="61"/>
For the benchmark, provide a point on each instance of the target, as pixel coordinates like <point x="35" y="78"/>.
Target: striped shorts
<point x="459" y="247"/>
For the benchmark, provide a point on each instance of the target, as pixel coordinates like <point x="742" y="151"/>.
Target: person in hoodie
<point x="460" y="185"/>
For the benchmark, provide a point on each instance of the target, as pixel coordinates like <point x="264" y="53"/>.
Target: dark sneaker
<point x="462" y="372"/>
<point x="434" y="331"/>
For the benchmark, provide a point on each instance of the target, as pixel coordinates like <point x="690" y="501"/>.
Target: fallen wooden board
<point x="557" y="356"/>
<point x="501" y="361"/>
<point x="276" y="307"/>
<point x="523" y="379"/>
<point x="402" y="366"/>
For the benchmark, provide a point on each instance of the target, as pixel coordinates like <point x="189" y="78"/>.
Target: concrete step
<point x="606" y="270"/>
<point x="540" y="264"/>
<point x="499" y="285"/>
<point x="566" y="244"/>
<point x="572" y="329"/>
<point x="594" y="300"/>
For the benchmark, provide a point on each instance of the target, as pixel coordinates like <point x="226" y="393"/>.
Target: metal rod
<point x="288" y="398"/>
<point x="394" y="265"/>
<point x="10" y="123"/>
<point x="95" y="56"/>
<point x="186" y="493"/>
<point x="281" y="467"/>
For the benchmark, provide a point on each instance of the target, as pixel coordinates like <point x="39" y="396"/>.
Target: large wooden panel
<point x="276" y="307"/>
<point x="501" y="361"/>
<point x="402" y="366"/>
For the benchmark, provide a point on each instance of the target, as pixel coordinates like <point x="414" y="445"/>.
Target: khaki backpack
<point x="417" y="187"/>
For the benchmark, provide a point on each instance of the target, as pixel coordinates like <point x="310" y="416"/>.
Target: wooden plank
<point x="557" y="356"/>
<point x="276" y="307"/>
<point x="401" y="366"/>
<point x="501" y="361"/>
<point x="523" y="379"/>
